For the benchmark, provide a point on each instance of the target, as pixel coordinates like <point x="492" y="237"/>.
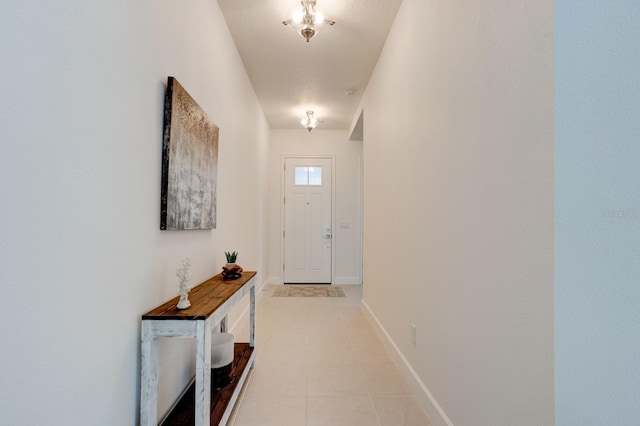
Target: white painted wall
<point x="597" y="190"/>
<point x="458" y="205"/>
<point x="82" y="256"/>
<point x="347" y="241"/>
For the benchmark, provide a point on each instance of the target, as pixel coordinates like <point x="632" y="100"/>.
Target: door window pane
<point x="308" y="176"/>
<point x="315" y="176"/>
<point x="301" y="176"/>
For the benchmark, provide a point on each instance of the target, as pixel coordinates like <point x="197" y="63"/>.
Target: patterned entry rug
<point x="308" y="291"/>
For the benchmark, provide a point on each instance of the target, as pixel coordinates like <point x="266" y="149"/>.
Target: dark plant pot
<point x="221" y="376"/>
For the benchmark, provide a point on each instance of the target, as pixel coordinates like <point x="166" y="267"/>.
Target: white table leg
<point x="252" y="316"/>
<point x="148" y="377"/>
<point x="203" y="373"/>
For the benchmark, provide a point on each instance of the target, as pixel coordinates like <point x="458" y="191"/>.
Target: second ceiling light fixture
<point x="310" y="122"/>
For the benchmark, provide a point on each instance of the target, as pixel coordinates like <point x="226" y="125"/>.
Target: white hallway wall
<point x="81" y="251"/>
<point x="458" y="205"/>
<point x="347" y="241"/>
<point x="597" y="244"/>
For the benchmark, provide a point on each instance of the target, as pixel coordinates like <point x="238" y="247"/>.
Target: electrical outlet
<point x="413" y="334"/>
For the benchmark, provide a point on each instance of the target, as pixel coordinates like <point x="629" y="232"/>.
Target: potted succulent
<point x="231" y="270"/>
<point x="231" y="258"/>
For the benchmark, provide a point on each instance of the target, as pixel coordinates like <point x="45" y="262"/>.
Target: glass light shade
<point x="313" y="122"/>
<point x="297" y="17"/>
<point x="310" y="122"/>
<point x="305" y="19"/>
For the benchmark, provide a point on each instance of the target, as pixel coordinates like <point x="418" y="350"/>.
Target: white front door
<point x="307" y="220"/>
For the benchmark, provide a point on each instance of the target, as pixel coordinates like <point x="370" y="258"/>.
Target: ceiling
<point x="291" y="76"/>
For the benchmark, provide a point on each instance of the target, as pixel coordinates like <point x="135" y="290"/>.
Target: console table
<point x="211" y="301"/>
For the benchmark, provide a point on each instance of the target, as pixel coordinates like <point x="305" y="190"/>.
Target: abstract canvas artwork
<point x="189" y="163"/>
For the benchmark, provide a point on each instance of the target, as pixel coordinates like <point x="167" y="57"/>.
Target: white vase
<point x="183" y="303"/>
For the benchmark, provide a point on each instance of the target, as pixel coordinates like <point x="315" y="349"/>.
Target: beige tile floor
<point x="319" y="362"/>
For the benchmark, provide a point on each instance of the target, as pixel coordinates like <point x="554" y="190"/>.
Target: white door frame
<point x="333" y="209"/>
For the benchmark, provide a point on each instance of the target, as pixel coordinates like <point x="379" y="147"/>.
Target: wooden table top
<point x="205" y="298"/>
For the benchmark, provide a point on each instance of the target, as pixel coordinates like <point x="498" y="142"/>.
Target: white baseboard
<point x="347" y="281"/>
<point x="274" y="280"/>
<point x="423" y="395"/>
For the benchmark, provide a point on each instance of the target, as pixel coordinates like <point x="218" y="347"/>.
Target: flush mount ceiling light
<point x="306" y="20"/>
<point x="310" y="122"/>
